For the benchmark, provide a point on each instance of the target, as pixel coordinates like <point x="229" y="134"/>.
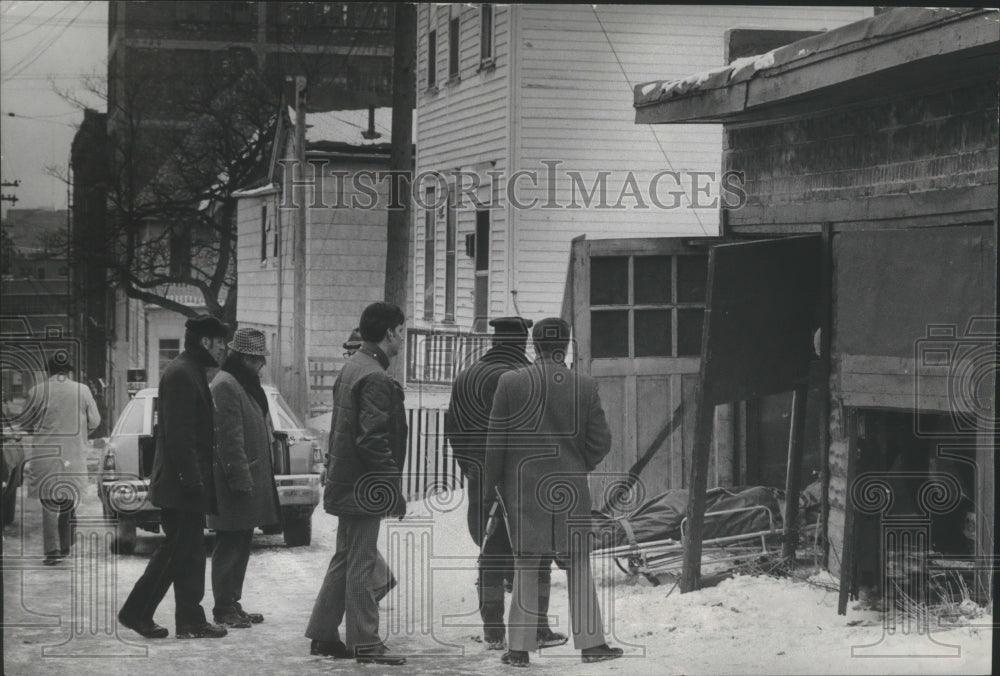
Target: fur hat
<point x="207" y="326"/>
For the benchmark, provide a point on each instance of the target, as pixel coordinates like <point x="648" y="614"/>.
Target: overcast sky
<point x="45" y="46"/>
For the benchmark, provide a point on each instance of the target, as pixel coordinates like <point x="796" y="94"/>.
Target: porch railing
<point x="430" y="465"/>
<point x="435" y="358"/>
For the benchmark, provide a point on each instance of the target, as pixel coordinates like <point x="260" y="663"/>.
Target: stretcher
<point x="742" y="526"/>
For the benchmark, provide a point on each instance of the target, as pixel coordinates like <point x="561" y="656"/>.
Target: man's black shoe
<point x="600" y="653"/>
<point x="549" y="639"/>
<point x="378" y="654"/>
<point x="145" y="628"/>
<point x="234" y="620"/>
<point x="330" y="649"/>
<point x="255" y="618"/>
<point x="202" y="631"/>
<point x="52" y="560"/>
<point x="515" y="658"/>
<point x="494" y="637"/>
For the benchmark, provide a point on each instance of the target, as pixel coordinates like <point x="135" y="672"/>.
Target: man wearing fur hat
<point x="182" y="487"/>
<point x="243" y="472"/>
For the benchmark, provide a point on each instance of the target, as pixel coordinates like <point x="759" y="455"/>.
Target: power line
<point x="23" y="19"/>
<point x="50" y="43"/>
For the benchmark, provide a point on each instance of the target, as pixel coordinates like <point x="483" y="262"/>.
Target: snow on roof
<point x="347" y="126"/>
<point x="880" y="27"/>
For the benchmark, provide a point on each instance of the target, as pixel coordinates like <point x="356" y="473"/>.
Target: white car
<point x="127" y="462"/>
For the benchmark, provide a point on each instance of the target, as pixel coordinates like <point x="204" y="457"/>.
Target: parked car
<point x="11" y="468"/>
<point x="123" y="480"/>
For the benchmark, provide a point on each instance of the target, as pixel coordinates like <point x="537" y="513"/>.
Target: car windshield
<point x="132" y="418"/>
<point x="283" y="417"/>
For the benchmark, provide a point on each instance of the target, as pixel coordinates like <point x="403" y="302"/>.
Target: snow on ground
<point x="745" y="625"/>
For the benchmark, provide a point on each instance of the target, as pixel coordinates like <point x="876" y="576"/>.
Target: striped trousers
<point x="347" y="593"/>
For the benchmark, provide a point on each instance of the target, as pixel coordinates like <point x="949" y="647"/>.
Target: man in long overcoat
<point x="182" y="487"/>
<point x="243" y="472"/>
<point x="363" y="485"/>
<point x="466" y="426"/>
<point x="547" y="433"/>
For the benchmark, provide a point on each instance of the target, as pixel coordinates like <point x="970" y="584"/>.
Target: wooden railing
<point x="435" y="358"/>
<point x="430" y="464"/>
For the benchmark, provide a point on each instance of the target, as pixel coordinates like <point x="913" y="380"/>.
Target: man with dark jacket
<point x="182" y="487"/>
<point x="466" y="425"/>
<point x="363" y="485"/>
<point x="547" y="432"/>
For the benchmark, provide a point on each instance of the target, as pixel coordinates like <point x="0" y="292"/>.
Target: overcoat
<point x="367" y="439"/>
<point x="547" y="432"/>
<point x="182" y="466"/>
<point x="58" y="467"/>
<point x="243" y="468"/>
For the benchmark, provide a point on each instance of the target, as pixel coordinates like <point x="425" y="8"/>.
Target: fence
<point x="434" y="358"/>
<point x="430" y="464"/>
<point x="323" y="372"/>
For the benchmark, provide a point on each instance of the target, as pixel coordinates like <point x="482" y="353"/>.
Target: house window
<point x="276" y="233"/>
<point x="453" y="47"/>
<point x="429" y="233"/>
<point x="180" y="252"/>
<point x="486" y="35"/>
<point x="482" y="282"/>
<point x="432" y="59"/>
<point x="169" y="349"/>
<point x="450" y="242"/>
<point x="647" y="306"/>
<point x="264" y="229"/>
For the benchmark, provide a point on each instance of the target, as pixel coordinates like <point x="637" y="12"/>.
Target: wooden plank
<point x="724" y="446"/>
<point x="581" y="303"/>
<point x="677" y="447"/>
<point x="697" y="485"/>
<point x="847" y="560"/>
<point x="884" y="383"/>
<point x="653" y="410"/>
<point x="895" y="401"/>
<point x="646" y="246"/>
<point x="644" y="366"/>
<point x="825" y="346"/>
<point x="796" y="434"/>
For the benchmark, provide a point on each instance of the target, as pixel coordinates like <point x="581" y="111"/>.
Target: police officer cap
<point x="354" y="342"/>
<point x="511" y="326"/>
<point x="207" y="326"/>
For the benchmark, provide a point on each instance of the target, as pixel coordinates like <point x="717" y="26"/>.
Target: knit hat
<point x="249" y="341"/>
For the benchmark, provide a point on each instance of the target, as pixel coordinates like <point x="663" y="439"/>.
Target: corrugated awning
<point x="891" y="52"/>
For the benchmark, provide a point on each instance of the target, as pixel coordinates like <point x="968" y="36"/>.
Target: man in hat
<point x="244" y="475"/>
<point x="182" y="486"/>
<point x="547" y="432"/>
<point x="466" y="425"/>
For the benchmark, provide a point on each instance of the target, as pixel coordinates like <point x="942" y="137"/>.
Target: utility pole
<point x="397" y="256"/>
<point x="300" y="385"/>
<point x="9" y="198"/>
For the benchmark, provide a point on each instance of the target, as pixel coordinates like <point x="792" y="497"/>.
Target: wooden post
<point x="796" y="436"/>
<point x="826" y="341"/>
<point x="404" y="96"/>
<point x="847" y="555"/>
<point x="300" y="386"/>
<point x="704" y="422"/>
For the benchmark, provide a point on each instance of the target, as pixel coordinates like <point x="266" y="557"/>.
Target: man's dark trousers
<point x="179" y="561"/>
<point x="346" y="589"/>
<point x="229" y="568"/>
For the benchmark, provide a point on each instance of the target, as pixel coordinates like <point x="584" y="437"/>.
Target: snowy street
<point x="55" y="620"/>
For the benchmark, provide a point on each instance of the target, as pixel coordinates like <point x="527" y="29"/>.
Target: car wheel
<point x="124" y="542"/>
<point x="271" y="529"/>
<point x="298" y="531"/>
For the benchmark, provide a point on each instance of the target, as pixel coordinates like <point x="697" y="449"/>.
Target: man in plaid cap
<point x="466" y="425"/>
<point x="182" y="487"/>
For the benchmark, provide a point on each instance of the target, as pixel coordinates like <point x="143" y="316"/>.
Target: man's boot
<point x="546" y="637"/>
<point x="491" y="610"/>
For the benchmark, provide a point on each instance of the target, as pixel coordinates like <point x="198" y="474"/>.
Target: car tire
<point x="298" y="531"/>
<point x="125" y="537"/>
<point x="271" y="529"/>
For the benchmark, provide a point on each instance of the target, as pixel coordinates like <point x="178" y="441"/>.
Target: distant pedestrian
<point x="547" y="433"/>
<point x="243" y="472"/>
<point x="466" y="425"/>
<point x="365" y="458"/>
<point x="182" y="486"/>
<point x="58" y="466"/>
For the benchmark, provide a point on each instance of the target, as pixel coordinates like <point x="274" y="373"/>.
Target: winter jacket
<point x="242" y="469"/>
<point x="182" y="466"/>
<point x="367" y="444"/>
<point x="547" y="433"/>
<point x="58" y="468"/>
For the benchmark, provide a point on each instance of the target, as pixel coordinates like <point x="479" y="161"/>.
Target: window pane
<point x="609" y="281"/>
<point x="652" y="279"/>
<point x="609" y="334"/>
<point x="652" y="333"/>
<point x="689" y="325"/>
<point x="133" y="418"/>
<point x="692" y="278"/>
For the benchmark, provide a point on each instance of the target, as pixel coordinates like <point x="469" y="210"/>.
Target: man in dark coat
<point x="547" y="433"/>
<point x="244" y="474"/>
<point x="182" y="487"/>
<point x="466" y="425"/>
<point x="363" y="485"/>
